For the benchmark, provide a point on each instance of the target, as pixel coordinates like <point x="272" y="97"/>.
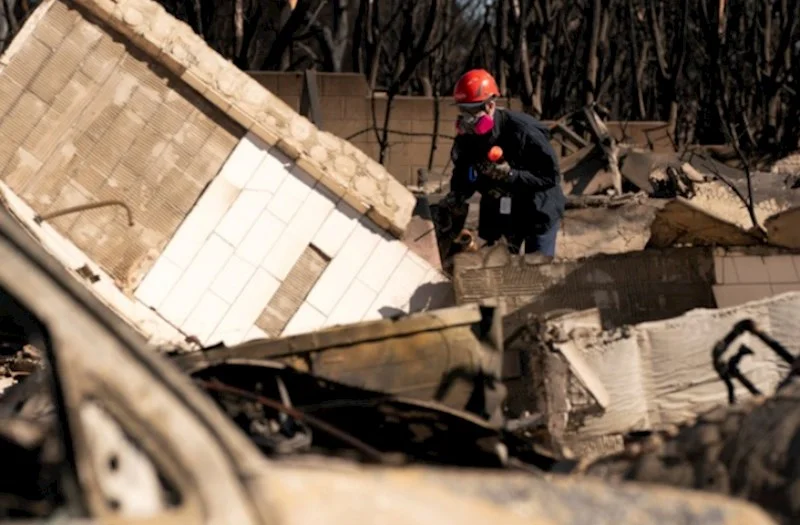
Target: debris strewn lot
<point x="184" y="344"/>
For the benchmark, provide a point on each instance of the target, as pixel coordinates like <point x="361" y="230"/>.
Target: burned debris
<point x="303" y="307"/>
<point x="745" y="449"/>
<point x="289" y="412"/>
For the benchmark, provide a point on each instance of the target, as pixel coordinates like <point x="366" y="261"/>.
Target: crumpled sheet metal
<point x="514" y="498"/>
<point x="661" y="373"/>
<point x="426" y="355"/>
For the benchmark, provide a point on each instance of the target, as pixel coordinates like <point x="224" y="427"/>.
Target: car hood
<point x="322" y="490"/>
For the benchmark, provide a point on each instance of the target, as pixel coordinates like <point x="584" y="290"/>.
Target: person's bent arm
<point x="540" y="171"/>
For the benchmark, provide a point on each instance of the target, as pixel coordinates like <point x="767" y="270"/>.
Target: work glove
<point x="499" y="171"/>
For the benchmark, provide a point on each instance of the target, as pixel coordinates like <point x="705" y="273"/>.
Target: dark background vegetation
<point x="716" y="70"/>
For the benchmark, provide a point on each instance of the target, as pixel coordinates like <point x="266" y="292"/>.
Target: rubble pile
<point x="367" y="359"/>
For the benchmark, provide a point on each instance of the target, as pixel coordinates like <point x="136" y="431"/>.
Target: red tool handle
<point x="495" y="154"/>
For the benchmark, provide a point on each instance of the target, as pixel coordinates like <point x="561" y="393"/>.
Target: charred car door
<point x="102" y="430"/>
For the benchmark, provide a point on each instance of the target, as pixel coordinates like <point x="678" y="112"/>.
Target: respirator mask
<point x="468" y="124"/>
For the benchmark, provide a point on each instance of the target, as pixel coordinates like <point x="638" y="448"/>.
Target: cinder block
<point x="99" y="63"/>
<point x="244" y="160"/>
<point x="342" y="85"/>
<point x="202" y="220"/>
<point x="307" y="319"/>
<point x="206" y="165"/>
<point x="353" y="305"/>
<point x="24" y="174"/>
<point x="245" y="310"/>
<point x="271" y="173"/>
<point x="100" y="114"/>
<point x="336" y="229"/>
<point x="187" y="143"/>
<point x="116" y="141"/>
<point x="298" y="234"/>
<point x="205" y="316"/>
<point x="62" y="15"/>
<point x="242" y="215"/>
<point x="9" y="93"/>
<point x="222" y="142"/>
<point x="196" y="279"/>
<point x="291" y="194"/>
<point x="343" y="269"/>
<point x="71" y="195"/>
<point x="24" y="116"/>
<point x="89" y="178"/>
<point x="55" y="74"/>
<point x="146" y="151"/>
<point x="727" y="295"/>
<point x="780" y="269"/>
<point x="49" y="33"/>
<point x="176" y="189"/>
<point x="751" y="269"/>
<point x="382" y="263"/>
<point x="8" y="150"/>
<point x="423" y="132"/>
<point x="333" y="110"/>
<point x="72" y="101"/>
<point x="41" y="139"/>
<point x="27" y="62"/>
<point x="166" y="121"/>
<point x="144" y="102"/>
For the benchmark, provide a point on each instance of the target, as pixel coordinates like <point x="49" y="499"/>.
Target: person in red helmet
<point x="521" y="195"/>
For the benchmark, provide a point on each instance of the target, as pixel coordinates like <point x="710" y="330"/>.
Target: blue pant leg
<point x="544" y="243"/>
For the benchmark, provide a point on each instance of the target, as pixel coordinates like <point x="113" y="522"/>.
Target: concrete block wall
<point x="627" y="288"/>
<point x="241" y="242"/>
<point x="347" y="108"/>
<point x="741" y="276"/>
<point x="84" y="117"/>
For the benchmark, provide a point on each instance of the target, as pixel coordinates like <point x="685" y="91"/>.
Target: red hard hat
<point x="475" y="87"/>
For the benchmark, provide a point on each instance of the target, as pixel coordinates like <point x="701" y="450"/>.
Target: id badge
<point x="505" y="206"/>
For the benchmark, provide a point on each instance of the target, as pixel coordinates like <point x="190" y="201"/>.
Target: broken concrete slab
<point x="661" y="373"/>
<point x="592" y="230"/>
<point x="684" y="222"/>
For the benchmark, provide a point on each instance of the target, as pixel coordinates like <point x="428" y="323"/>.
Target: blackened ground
<point x="750" y="451"/>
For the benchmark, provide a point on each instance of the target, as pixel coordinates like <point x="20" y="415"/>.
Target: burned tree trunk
<point x="594" y="14"/>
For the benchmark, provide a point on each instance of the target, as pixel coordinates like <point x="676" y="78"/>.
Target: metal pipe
<point x="83" y="207"/>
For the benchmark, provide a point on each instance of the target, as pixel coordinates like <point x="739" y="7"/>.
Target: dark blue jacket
<point x="537" y="200"/>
